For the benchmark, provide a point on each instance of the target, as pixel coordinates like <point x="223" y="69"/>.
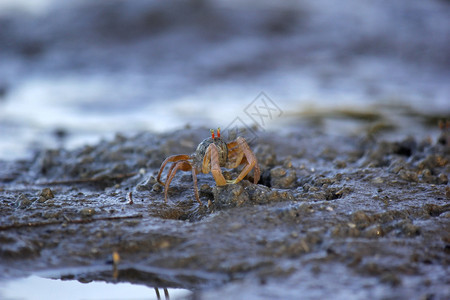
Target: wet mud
<point x="343" y="215"/>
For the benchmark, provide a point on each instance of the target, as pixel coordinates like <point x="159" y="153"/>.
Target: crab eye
<point x="212" y="133"/>
<point x="218" y="132"/>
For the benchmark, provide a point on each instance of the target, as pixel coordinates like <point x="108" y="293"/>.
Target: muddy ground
<point x="348" y="216"/>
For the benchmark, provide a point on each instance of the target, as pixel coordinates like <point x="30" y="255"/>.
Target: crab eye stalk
<point x="218" y="132"/>
<point x="212" y="133"/>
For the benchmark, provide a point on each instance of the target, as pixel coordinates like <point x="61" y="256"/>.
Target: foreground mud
<point x="348" y="216"/>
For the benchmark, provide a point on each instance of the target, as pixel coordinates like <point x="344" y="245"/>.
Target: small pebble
<point x="378" y="180"/>
<point x="46" y="193"/>
<point x="157" y="187"/>
<point x="287" y="163"/>
<point x="408" y="175"/>
<point x="442" y="179"/>
<point x="278" y="172"/>
<point x="340" y="164"/>
<point x="87" y="212"/>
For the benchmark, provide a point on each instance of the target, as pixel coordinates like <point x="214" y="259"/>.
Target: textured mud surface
<point x="348" y="216"/>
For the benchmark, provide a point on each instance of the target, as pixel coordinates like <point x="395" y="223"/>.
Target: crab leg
<point x="252" y="163"/>
<point x="172" y="158"/>
<point x="170" y="171"/>
<point x="235" y="156"/>
<point x="180" y="165"/>
<point x="194" y="178"/>
<point x="211" y="161"/>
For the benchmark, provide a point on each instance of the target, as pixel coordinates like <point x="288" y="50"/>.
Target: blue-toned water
<point x="73" y="72"/>
<point x="36" y="288"/>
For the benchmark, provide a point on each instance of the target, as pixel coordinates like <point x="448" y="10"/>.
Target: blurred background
<point x="73" y="72"/>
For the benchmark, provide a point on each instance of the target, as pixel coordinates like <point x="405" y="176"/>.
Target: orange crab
<point x="212" y="154"/>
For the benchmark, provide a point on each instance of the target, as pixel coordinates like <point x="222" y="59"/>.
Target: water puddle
<point x="36" y="287"/>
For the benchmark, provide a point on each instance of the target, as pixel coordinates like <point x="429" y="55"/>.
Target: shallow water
<point x="35" y="287"/>
<point x="93" y="69"/>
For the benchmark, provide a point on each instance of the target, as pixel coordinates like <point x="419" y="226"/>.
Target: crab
<point x="211" y="155"/>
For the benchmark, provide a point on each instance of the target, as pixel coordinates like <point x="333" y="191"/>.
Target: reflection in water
<point x="35" y="287"/>
<point x="166" y="293"/>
